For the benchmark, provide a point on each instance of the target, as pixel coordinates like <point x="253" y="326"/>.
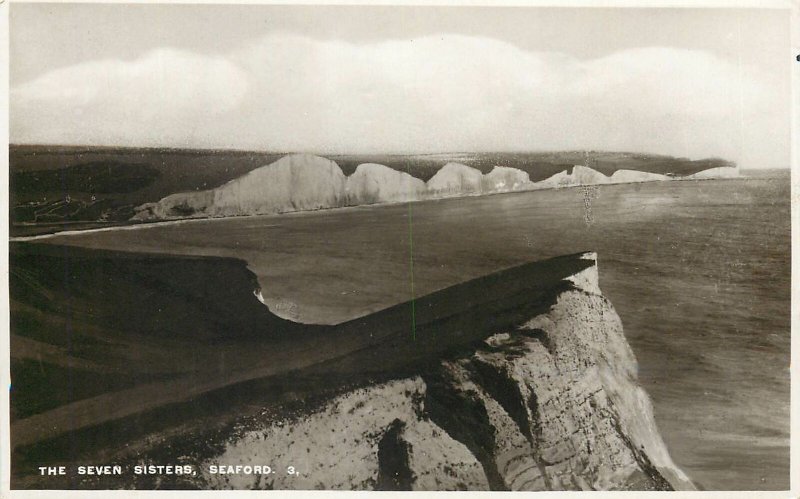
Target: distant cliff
<point x="54" y="187"/>
<point x="302" y="182"/>
<point x="372" y="183"/>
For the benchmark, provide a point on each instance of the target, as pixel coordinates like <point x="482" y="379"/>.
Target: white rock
<point x="297" y="182"/>
<point x="627" y="176"/>
<point x="455" y="179"/>
<point x="580" y="175"/>
<point x="505" y="179"/>
<point x="719" y="172"/>
<point x="372" y="183"/>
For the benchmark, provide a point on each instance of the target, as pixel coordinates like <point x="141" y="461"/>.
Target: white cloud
<point x="162" y="96"/>
<point x="438" y="93"/>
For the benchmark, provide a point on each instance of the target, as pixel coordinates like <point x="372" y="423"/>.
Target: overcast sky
<point x="685" y="82"/>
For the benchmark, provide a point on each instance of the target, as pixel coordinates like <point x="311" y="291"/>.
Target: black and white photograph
<point x="398" y="247"/>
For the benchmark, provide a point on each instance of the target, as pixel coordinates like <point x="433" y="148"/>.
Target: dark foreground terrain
<point x="111" y="347"/>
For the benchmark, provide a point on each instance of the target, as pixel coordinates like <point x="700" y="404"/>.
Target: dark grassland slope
<point x="129" y="341"/>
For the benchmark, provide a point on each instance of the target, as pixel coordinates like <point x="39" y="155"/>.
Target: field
<point x="698" y="270"/>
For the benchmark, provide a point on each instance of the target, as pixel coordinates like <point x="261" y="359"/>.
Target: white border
<point x="689" y="4"/>
<point x="793" y="66"/>
<point x="794" y="452"/>
<point x="5" y="327"/>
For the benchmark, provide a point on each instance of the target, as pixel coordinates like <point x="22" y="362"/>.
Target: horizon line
<point x="327" y="153"/>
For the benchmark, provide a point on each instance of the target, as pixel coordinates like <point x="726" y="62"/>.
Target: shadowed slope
<point x="198" y="324"/>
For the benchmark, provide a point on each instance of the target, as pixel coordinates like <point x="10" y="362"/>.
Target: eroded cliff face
<point x="455" y="179"/>
<point x="302" y="182"/>
<point x="580" y="175"/>
<point x="625" y="176"/>
<point x="551" y="405"/>
<point x="718" y="172"/>
<point x="297" y="182"/>
<point x="505" y="179"/>
<point x="372" y="183"/>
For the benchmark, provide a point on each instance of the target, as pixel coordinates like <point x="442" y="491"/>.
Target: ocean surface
<point x="699" y="272"/>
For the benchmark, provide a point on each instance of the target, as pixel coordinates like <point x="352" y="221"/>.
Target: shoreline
<point x="135" y="225"/>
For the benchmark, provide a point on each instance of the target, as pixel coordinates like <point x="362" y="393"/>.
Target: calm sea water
<point x="699" y="272"/>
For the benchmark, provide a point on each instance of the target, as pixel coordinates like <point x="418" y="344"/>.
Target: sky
<point x="353" y="79"/>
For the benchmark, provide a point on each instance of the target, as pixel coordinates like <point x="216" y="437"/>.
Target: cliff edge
<point x="551" y="405"/>
<point x="518" y="380"/>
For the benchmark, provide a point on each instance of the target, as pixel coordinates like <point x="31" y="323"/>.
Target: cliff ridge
<point x="553" y="404"/>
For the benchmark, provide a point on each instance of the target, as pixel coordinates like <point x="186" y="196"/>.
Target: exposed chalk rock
<point x="372" y="183"/>
<point x="455" y="179"/>
<point x="560" y="179"/>
<point x="293" y="183"/>
<point x="580" y="175"/>
<point x="296" y="182"/>
<point x="587" y="279"/>
<point x="719" y="172"/>
<point x="626" y="176"/>
<point x="302" y="182"/>
<point x="505" y="179"/>
<point x="583" y="175"/>
<point x="339" y="447"/>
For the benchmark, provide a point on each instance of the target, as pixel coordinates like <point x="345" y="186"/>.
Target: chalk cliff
<point x="301" y="182"/>
<point x="625" y="176"/>
<point x="455" y="179"/>
<point x="372" y="183"/>
<point x="551" y="405"/>
<point x="719" y="172"/>
<point x="293" y="183"/>
<point x="505" y="179"/>
<point x="580" y="175"/>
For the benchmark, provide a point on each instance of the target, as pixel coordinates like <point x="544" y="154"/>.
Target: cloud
<point x="163" y="96"/>
<point x="437" y="93"/>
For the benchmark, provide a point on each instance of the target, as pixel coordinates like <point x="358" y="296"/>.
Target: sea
<point x="699" y="272"/>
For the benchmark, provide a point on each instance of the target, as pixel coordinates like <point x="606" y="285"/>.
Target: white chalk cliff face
<point x="583" y="175"/>
<point x="372" y="183"/>
<point x="580" y="175"/>
<point x="455" y="179"/>
<point x="626" y="176"/>
<point x="553" y="405"/>
<point x="505" y="179"/>
<point x="297" y="182"/>
<point x="719" y="172"/>
<point x="293" y="183"/>
<point x="301" y="182"/>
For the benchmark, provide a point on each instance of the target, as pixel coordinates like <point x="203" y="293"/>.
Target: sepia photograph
<point x="398" y="247"/>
